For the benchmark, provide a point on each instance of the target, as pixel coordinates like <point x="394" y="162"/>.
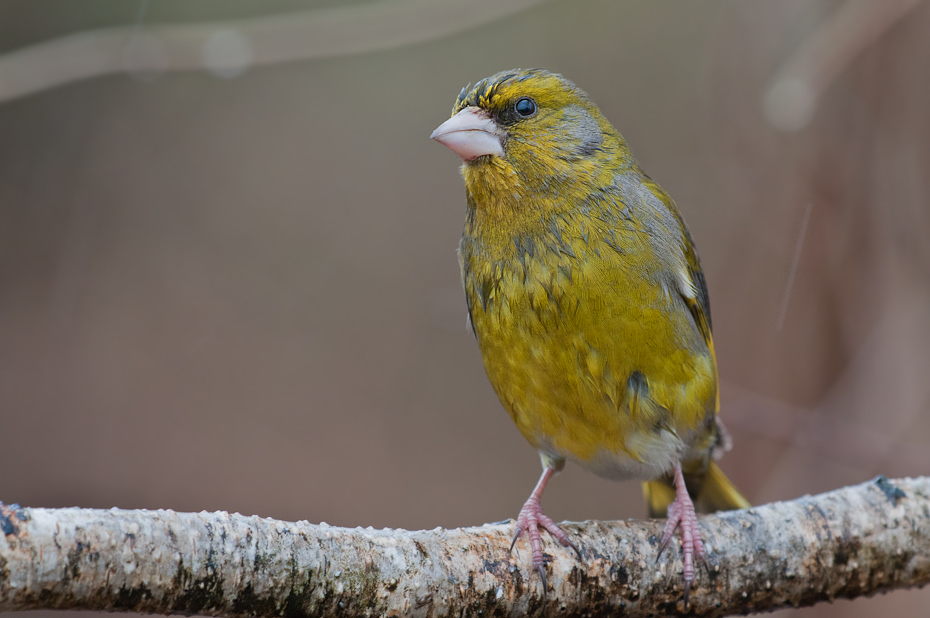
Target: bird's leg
<point x="681" y="513"/>
<point x="531" y="519"/>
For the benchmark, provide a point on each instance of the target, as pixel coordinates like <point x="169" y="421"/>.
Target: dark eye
<point x="525" y="107"/>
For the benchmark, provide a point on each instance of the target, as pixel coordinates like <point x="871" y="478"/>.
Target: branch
<point x="228" y="48"/>
<point x="793" y="93"/>
<point x="846" y="543"/>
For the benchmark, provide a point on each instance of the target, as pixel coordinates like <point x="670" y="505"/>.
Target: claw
<point x="704" y="561"/>
<point x="516" y="535"/>
<point x="542" y="576"/>
<point x="568" y="543"/>
<point x="663" y="545"/>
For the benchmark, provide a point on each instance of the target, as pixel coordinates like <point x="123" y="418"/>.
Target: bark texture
<point x="853" y="541"/>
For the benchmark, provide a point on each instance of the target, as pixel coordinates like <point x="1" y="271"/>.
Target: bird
<point x="589" y="304"/>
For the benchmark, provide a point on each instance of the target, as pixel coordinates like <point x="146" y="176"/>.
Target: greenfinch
<point x="587" y="298"/>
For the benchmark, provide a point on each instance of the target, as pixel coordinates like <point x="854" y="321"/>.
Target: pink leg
<point x="681" y="513"/>
<point x="531" y="519"/>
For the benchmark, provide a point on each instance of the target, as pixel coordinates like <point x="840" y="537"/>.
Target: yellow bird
<point x="588" y="301"/>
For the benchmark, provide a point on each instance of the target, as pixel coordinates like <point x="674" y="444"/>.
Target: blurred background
<point x="227" y="248"/>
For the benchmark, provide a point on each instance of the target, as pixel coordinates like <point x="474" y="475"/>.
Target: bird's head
<point x="530" y="124"/>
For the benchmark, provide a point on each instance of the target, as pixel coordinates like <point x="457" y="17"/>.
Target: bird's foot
<point x="681" y="514"/>
<point x="530" y="520"/>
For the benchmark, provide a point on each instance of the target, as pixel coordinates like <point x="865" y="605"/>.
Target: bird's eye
<point x="525" y="107"/>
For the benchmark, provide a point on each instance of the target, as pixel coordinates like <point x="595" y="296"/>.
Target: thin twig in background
<point x="795" y="262"/>
<point x="256" y="41"/>
<point x="792" y="95"/>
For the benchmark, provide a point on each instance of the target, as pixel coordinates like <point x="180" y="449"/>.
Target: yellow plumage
<point x="584" y="290"/>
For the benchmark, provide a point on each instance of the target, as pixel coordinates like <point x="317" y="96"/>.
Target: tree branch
<point x="255" y="41"/>
<point x="846" y="543"/>
<point x="793" y="93"/>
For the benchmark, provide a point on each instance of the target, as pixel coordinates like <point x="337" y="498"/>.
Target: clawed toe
<point x="531" y="520"/>
<point x="681" y="515"/>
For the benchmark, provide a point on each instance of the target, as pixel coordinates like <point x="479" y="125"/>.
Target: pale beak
<point x="470" y="134"/>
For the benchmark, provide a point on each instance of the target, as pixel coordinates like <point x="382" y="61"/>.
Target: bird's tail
<point x="708" y="486"/>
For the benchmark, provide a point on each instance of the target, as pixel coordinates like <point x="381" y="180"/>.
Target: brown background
<point x="242" y="294"/>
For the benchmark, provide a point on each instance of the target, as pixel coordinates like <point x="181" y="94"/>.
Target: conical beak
<point x="470" y="134"/>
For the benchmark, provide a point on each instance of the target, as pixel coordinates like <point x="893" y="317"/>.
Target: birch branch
<point x="846" y="543"/>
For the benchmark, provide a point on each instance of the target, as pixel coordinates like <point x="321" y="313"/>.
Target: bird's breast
<point x="564" y="326"/>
